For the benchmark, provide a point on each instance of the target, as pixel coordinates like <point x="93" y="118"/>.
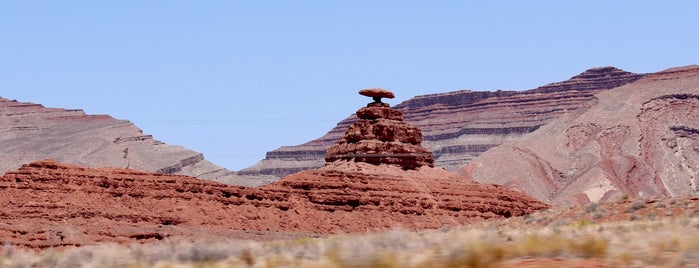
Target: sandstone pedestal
<point x="380" y="136"/>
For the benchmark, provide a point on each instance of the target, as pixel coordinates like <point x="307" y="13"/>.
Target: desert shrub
<point x="474" y="254"/>
<point x="688" y="259"/>
<point x="201" y="251"/>
<point x="592" y="207"/>
<point x="652" y="215"/>
<point x="581" y="223"/>
<point x="541" y="246"/>
<point x="660" y="204"/>
<point x="247" y="257"/>
<point x="532" y="218"/>
<point x="639" y="204"/>
<point x="364" y="259"/>
<point x="641" y="243"/>
<point x="590" y="247"/>
<point x="558" y="245"/>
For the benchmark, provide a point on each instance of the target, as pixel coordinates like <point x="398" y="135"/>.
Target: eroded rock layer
<point x="30" y="132"/>
<point x="380" y="136"/>
<point x="46" y="204"/>
<point x="638" y="140"/>
<point x="459" y="126"/>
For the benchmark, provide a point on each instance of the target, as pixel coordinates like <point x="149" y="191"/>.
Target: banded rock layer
<point x="638" y="140"/>
<point x="380" y="136"/>
<point x="459" y="126"/>
<point x="30" y="132"/>
<point x="47" y="204"/>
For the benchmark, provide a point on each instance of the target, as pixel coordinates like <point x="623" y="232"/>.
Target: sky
<point x="235" y="79"/>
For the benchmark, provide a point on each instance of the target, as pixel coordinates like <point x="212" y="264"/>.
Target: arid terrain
<point x="596" y="171"/>
<point x="625" y="233"/>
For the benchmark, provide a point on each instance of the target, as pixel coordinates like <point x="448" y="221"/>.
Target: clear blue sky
<point x="234" y="79"/>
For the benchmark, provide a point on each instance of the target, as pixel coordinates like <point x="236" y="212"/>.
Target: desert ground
<point x="626" y="233"/>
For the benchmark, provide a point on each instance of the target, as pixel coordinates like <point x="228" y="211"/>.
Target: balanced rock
<point x="380" y="136"/>
<point x="377" y="94"/>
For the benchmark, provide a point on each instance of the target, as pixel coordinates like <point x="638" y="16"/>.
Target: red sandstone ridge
<point x="637" y="140"/>
<point x="459" y="126"/>
<point x="30" y="132"/>
<point x="46" y="204"/>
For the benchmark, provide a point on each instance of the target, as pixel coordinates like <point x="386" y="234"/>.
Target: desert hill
<point x="46" y="204"/>
<point x="31" y="132"/>
<point x="459" y="126"/>
<point x="637" y="140"/>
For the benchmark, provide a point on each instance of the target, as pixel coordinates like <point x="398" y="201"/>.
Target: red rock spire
<point x="380" y="136"/>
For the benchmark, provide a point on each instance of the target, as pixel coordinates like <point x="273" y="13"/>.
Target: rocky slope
<point x="638" y="140"/>
<point x="31" y="132"/>
<point x="46" y="204"/>
<point x="459" y="126"/>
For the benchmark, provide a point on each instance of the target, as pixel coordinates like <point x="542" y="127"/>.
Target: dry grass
<point x="669" y="242"/>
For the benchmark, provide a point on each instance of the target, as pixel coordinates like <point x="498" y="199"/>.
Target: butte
<point x="380" y="136"/>
<point x="378" y="176"/>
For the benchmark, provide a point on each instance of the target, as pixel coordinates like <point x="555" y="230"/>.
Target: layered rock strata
<point x="46" y="204"/>
<point x="638" y="140"/>
<point x="30" y="132"/>
<point x="380" y="136"/>
<point x="459" y="126"/>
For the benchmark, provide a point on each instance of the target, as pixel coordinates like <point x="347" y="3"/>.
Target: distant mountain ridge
<point x="638" y="140"/>
<point x="458" y="126"/>
<point x="31" y="132"/>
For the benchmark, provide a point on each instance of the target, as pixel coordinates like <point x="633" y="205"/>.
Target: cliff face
<point x="459" y="126"/>
<point x="47" y="204"/>
<point x="638" y="140"/>
<point x="31" y="132"/>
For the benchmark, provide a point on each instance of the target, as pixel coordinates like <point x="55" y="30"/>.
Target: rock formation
<point x="638" y="140"/>
<point x="31" y="132"/>
<point x="380" y="136"/>
<point x="377" y="94"/>
<point x="46" y="204"/>
<point x="458" y="126"/>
